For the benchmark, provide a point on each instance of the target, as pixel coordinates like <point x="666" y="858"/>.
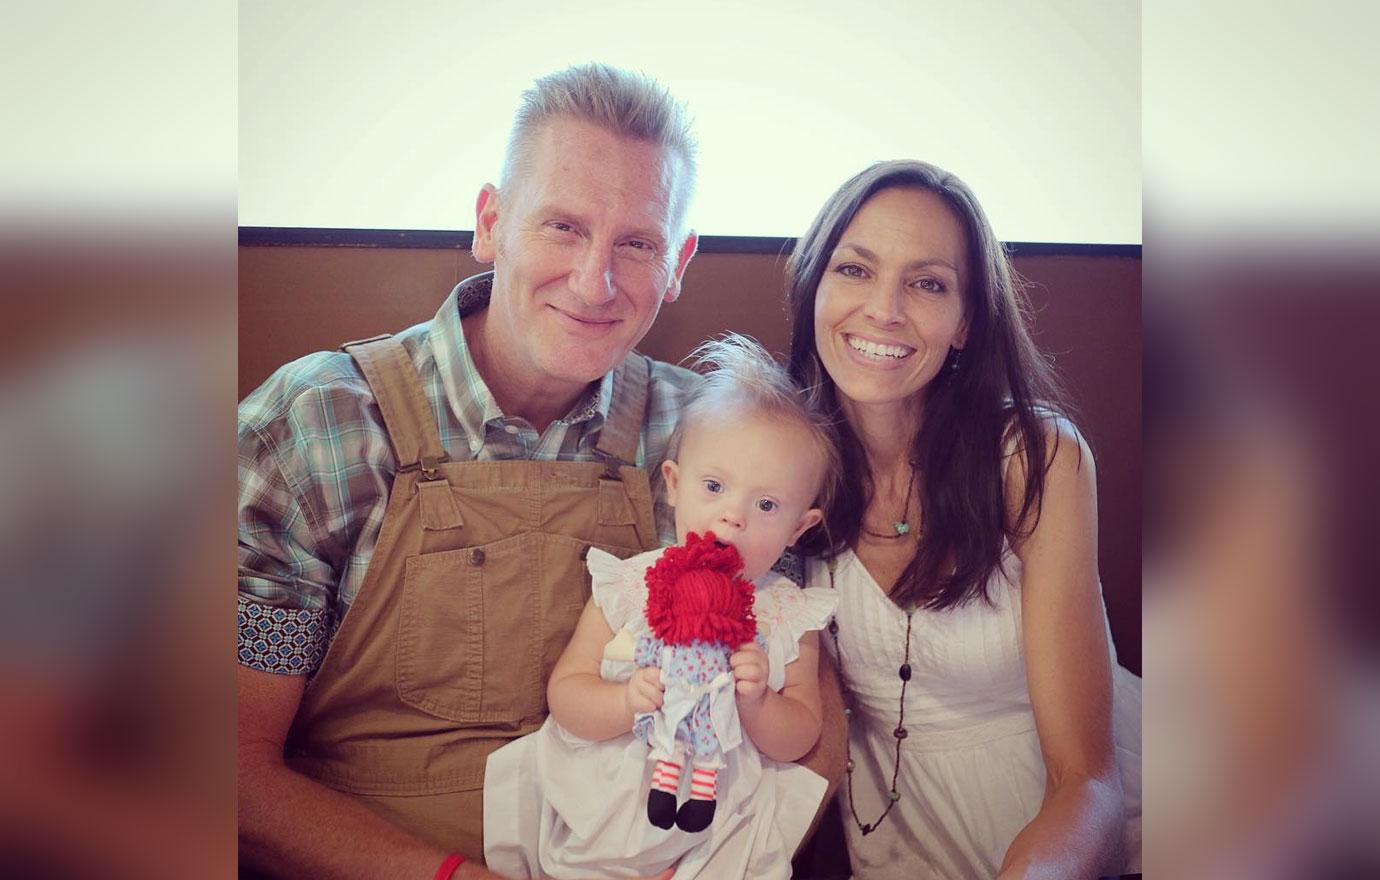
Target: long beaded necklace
<point x="900" y="733"/>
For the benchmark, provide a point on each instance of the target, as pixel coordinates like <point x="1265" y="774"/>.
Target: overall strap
<point x="627" y="410"/>
<point x="398" y="389"/>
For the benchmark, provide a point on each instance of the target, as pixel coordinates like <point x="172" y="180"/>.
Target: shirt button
<point x="476" y="557"/>
<point x="511" y="429"/>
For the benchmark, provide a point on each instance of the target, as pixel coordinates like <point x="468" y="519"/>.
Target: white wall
<point x="389" y="115"/>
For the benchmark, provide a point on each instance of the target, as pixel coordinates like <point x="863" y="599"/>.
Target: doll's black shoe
<point x="695" y="815"/>
<point x="661" y="808"/>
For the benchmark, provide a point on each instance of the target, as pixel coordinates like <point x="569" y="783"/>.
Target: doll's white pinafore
<point x="560" y="806"/>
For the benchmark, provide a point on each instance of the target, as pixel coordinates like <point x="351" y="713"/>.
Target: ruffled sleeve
<point x="618" y="586"/>
<point x="785" y="612"/>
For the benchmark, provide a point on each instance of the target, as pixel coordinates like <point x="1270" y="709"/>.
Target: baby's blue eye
<point x="766" y="505"/>
<point x="713" y="486"/>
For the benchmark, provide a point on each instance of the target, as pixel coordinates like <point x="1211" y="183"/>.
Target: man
<point x="441" y="487"/>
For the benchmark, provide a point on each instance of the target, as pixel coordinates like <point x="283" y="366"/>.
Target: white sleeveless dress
<point x="971" y="775"/>
<point x="556" y="805"/>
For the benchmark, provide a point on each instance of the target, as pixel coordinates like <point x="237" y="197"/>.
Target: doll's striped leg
<point x="661" y="797"/>
<point x="697" y="813"/>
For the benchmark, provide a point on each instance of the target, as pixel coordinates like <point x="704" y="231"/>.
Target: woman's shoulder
<point x="1063" y="441"/>
<point x="1067" y="470"/>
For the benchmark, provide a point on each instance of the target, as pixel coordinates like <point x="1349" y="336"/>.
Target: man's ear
<point x="687" y="250"/>
<point x="670" y="472"/>
<point x="812" y="517"/>
<point x="485" y="218"/>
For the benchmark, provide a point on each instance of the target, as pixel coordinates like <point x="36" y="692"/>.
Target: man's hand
<point x="750" y="667"/>
<point x="645" y="691"/>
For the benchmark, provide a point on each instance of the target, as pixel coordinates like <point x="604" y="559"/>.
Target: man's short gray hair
<point x="625" y="103"/>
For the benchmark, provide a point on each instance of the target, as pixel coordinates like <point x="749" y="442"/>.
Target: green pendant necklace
<point x="901" y="527"/>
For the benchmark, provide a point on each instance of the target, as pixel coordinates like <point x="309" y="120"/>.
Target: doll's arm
<point x="783" y="726"/>
<point x="580" y="700"/>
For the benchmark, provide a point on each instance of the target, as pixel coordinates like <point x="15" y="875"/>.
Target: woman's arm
<point x="585" y="704"/>
<point x="783" y="726"/>
<point x="1078" y="830"/>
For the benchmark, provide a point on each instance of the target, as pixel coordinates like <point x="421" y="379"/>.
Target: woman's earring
<point x="953" y="359"/>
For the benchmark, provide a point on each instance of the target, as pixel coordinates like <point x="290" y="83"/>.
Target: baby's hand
<point x="750" y="667"/>
<point x="644" y="691"/>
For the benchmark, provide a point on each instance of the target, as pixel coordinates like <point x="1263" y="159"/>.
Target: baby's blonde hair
<point x="740" y="375"/>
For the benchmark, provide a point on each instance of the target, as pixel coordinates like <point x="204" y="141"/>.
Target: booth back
<point x="298" y="299"/>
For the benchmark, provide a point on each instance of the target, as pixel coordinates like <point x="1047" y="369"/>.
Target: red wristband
<point x="453" y="861"/>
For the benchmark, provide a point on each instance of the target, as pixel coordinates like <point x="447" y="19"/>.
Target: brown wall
<point x="295" y="300"/>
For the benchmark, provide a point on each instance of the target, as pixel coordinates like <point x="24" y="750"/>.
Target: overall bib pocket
<point x="480" y="628"/>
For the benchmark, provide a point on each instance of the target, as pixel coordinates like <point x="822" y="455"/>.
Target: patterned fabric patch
<point x="791" y="566"/>
<point x="284" y="641"/>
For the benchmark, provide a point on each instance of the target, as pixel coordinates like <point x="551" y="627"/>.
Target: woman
<point x="970" y="633"/>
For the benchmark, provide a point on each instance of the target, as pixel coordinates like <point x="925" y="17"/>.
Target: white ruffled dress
<point x="560" y="806"/>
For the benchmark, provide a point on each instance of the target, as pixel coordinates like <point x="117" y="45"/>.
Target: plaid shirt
<point x="315" y="466"/>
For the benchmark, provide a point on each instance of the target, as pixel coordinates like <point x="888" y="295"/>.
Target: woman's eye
<point x="852" y="270"/>
<point x="933" y="285"/>
<point x="766" y="505"/>
<point x="713" y="486"/>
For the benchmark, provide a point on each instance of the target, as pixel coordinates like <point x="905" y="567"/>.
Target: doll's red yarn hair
<point x="695" y="593"/>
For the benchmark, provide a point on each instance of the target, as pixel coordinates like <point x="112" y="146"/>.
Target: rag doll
<point x="699" y="609"/>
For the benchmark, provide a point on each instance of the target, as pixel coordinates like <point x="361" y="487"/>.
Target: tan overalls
<point x="474" y="589"/>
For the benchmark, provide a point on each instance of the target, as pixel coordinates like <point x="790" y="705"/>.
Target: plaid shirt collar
<point x="466" y="391"/>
